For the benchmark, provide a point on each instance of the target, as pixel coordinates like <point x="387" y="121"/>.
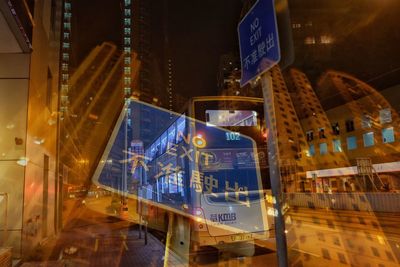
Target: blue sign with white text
<point x="258" y="40"/>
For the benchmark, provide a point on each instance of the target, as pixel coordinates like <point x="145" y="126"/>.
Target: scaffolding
<point x="370" y="180"/>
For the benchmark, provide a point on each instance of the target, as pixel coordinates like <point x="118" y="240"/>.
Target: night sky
<point x="200" y="31"/>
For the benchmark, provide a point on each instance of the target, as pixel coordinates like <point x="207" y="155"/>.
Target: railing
<point x="380" y="202"/>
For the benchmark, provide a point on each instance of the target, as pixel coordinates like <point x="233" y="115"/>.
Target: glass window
<point x="231" y="118"/>
<point x="368" y="139"/>
<point x="366" y="121"/>
<point x="171" y="135"/>
<point x="385" y="115"/>
<point x="388" y="135"/>
<point x="163" y="143"/>
<point x="127" y="31"/>
<point x="127" y="22"/>
<point x="180" y="128"/>
<point x="323" y="148"/>
<point x="321" y="133"/>
<point x="337" y="147"/>
<point x="311" y="151"/>
<point x="349" y="125"/>
<point x="335" y="128"/>
<point x="351" y="142"/>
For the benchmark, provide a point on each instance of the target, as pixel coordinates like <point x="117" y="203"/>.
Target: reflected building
<point x="365" y="121"/>
<point x="97" y="97"/>
<point x="29" y="71"/>
<point x="345" y="120"/>
<point x="320" y="133"/>
<point x="291" y="139"/>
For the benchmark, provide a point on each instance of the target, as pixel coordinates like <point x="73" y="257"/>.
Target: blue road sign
<point x="169" y="160"/>
<point x="258" y="40"/>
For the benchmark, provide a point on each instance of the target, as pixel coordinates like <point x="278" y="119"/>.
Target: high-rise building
<point x="29" y="71"/>
<point x="96" y="97"/>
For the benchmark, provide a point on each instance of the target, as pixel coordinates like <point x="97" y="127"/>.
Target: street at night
<point x="210" y="133"/>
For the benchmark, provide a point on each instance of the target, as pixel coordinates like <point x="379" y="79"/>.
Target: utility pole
<point x="274" y="169"/>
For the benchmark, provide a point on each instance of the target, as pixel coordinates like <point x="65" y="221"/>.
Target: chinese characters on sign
<point x="199" y="181"/>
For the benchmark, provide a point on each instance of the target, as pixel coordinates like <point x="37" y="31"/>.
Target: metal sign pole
<point x="273" y="162"/>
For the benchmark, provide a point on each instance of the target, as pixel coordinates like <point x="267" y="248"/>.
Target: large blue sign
<point x="258" y="40"/>
<point x="169" y="160"/>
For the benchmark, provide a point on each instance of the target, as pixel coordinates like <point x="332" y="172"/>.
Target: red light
<point x="265" y="133"/>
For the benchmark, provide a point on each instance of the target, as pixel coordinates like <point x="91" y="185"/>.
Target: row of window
<point x="385" y="116"/>
<point x="368" y="141"/>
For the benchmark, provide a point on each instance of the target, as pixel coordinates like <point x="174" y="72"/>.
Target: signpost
<point x="258" y="41"/>
<point x="259" y="52"/>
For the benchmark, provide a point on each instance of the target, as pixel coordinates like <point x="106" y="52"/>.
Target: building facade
<point x="29" y="112"/>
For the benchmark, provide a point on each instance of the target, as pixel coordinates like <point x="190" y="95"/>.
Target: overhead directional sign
<point x="258" y="40"/>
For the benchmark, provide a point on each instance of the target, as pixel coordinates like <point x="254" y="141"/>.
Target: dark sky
<point x="202" y="30"/>
<point x="95" y="21"/>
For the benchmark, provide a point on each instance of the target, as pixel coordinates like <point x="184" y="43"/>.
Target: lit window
<point x="127" y="2"/>
<point x="127" y="41"/>
<point x="67" y="15"/>
<point x="351" y="142"/>
<point x="296" y="25"/>
<point x="127" y="31"/>
<point x="323" y="148"/>
<point x="67" y="6"/>
<point x="65" y="45"/>
<point x="127" y="12"/>
<point x="127" y="22"/>
<point x="127" y="70"/>
<point x="325" y="39"/>
<point x="127" y="80"/>
<point x="388" y="135"/>
<point x="65" y="56"/>
<point x="368" y="139"/>
<point x="309" y="40"/>
<point x="127" y="60"/>
<point x="67" y="25"/>
<point x="311" y="151"/>
<point x="337" y="146"/>
<point x="127" y="50"/>
<point x="385" y="115"/>
<point x="64" y="67"/>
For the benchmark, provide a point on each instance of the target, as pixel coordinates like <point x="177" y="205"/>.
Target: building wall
<point x="28" y="110"/>
<point x="13" y="114"/>
<point x="39" y="219"/>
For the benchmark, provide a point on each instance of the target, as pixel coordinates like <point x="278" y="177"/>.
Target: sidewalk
<point x="98" y="240"/>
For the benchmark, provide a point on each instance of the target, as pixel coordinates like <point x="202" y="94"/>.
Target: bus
<point x="201" y="175"/>
<point x="211" y="161"/>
